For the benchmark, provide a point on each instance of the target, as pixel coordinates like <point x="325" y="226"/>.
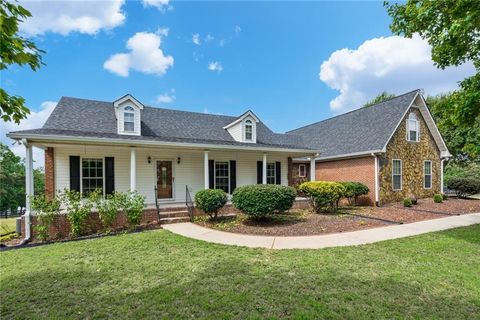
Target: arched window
<point x="129" y="119"/>
<point x="248" y="130"/>
<point x="413" y="128"/>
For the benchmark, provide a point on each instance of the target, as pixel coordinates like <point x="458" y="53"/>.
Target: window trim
<point x="425" y="175"/>
<point x="248" y="123"/>
<point x="81" y="174"/>
<point x="401" y="175"/>
<point x="304" y="171"/>
<point x="215" y="175"/>
<point x="274" y="172"/>
<point x="130" y="111"/>
<point x="417" y="125"/>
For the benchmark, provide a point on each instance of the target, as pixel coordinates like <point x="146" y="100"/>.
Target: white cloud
<point x="196" y="39"/>
<point x="145" y="56"/>
<point x="167" y="97"/>
<point x="209" y="38"/>
<point x="215" y="66"/>
<point x="163" y="32"/>
<point x="393" y="64"/>
<point x="35" y="120"/>
<point x="222" y="42"/>
<point x="159" y="4"/>
<point x="237" y="30"/>
<point x="64" y="17"/>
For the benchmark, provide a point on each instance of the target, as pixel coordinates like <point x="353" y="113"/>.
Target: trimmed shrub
<point x="354" y="190"/>
<point x="407" y="202"/>
<point x="261" y="200"/>
<point x="211" y="201"/>
<point x="438" y="198"/>
<point x="324" y="195"/>
<point x="464" y="186"/>
<point x="45" y="211"/>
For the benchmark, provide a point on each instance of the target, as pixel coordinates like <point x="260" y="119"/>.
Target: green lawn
<point x="7" y="225"/>
<point x="157" y="274"/>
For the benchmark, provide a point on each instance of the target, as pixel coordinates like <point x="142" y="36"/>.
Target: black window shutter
<point x="278" y="172"/>
<point x="211" y="174"/>
<point x="259" y="172"/>
<point x="75" y="173"/>
<point x="233" y="175"/>
<point x="109" y="175"/>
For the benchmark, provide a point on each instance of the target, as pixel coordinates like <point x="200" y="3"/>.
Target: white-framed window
<point x="413" y="128"/>
<point x="248" y="130"/>
<point x="271" y="172"/>
<point x="222" y="175"/>
<point x="427" y="174"/>
<point x="397" y="174"/>
<point x="129" y="119"/>
<point x="302" y="170"/>
<point x="92" y="175"/>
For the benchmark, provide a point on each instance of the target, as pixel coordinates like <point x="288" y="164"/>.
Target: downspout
<point x="375" y="158"/>
<point x="441" y="174"/>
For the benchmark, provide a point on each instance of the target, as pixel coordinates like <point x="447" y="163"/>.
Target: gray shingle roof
<point x="89" y="118"/>
<point x="361" y="130"/>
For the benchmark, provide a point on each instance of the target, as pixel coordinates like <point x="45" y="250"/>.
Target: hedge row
<point x="325" y="195"/>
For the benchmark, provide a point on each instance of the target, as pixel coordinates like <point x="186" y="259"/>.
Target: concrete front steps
<point x="174" y="215"/>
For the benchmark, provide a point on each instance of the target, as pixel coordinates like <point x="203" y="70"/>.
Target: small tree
<point x="210" y="201"/>
<point x="107" y="208"/>
<point x="132" y="205"/>
<point x="45" y="212"/>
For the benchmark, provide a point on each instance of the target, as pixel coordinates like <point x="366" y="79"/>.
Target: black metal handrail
<point x="156" y="204"/>
<point x="189" y="203"/>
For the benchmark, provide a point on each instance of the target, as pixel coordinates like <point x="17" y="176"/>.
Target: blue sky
<point x="266" y="56"/>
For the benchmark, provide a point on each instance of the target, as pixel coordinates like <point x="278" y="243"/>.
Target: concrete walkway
<point x="353" y="238"/>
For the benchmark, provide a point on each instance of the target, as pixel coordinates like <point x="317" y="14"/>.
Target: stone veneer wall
<point x="412" y="154"/>
<point x="296" y="179"/>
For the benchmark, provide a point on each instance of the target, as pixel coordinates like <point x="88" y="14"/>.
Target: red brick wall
<point x="49" y="173"/>
<point x="358" y="169"/>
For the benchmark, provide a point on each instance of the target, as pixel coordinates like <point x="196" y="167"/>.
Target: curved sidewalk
<point x="353" y="238"/>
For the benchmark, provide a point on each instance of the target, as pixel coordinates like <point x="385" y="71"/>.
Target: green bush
<point x="464" y="186"/>
<point x="407" y="202"/>
<point x="259" y="201"/>
<point x="210" y="201"/>
<point x="324" y="195"/>
<point x="438" y="198"/>
<point x="45" y="211"/>
<point x="78" y="210"/>
<point x="107" y="208"/>
<point x="454" y="170"/>
<point x="132" y="205"/>
<point x="354" y="190"/>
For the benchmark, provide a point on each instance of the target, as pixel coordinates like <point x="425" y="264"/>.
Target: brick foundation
<point x="49" y="173"/>
<point x="358" y="170"/>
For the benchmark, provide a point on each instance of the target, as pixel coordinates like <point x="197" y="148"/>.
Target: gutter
<point x="93" y="140"/>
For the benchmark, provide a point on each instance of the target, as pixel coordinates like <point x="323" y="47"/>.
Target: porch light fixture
<point x="178" y="160"/>
<point x="149" y="159"/>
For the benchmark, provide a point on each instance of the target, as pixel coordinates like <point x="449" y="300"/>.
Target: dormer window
<point x="248" y="130"/>
<point x="413" y="128"/>
<point x="129" y="119"/>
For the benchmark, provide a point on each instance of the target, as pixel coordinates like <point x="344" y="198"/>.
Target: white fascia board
<point x="342" y="156"/>
<point x="39" y="138"/>
<point x="127" y="97"/>
<point x="243" y="116"/>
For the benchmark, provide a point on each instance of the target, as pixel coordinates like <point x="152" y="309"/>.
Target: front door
<point x="164" y="179"/>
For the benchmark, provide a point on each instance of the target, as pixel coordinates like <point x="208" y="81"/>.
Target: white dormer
<point x="128" y="114"/>
<point x="244" y="128"/>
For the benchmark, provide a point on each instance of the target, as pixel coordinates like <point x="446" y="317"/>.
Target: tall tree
<point x="15" y="49"/>
<point x="380" y="98"/>
<point x="452" y="28"/>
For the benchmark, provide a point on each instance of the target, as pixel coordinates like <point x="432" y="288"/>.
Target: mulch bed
<point x="304" y="223"/>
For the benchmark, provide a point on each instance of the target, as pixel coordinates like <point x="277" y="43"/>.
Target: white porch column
<point x="377" y="197"/>
<point x="133" y="169"/>
<point x="264" y="169"/>
<point x="29" y="190"/>
<point x="312" y="169"/>
<point x="441" y="175"/>
<point x="206" y="173"/>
